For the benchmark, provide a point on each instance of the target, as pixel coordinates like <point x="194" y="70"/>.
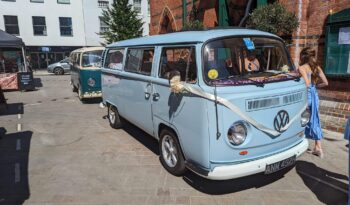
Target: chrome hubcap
<point x="111" y="116"/>
<point x="169" y="151"/>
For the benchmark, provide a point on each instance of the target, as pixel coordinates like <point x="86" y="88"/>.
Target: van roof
<point x="188" y="37"/>
<point x="85" y="49"/>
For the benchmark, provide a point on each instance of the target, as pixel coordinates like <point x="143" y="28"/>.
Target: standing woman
<point x="314" y="77"/>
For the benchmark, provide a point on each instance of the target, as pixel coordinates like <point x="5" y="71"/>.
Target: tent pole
<point x="24" y="60"/>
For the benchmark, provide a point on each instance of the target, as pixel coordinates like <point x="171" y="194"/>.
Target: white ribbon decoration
<point x="177" y="87"/>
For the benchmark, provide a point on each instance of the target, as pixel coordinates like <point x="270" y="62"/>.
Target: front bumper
<point x="256" y="166"/>
<point x="92" y="94"/>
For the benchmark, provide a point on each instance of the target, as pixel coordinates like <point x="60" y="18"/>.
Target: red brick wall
<point x="314" y="15"/>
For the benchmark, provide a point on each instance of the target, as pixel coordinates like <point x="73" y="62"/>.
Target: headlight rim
<point x="303" y="119"/>
<point x="245" y="136"/>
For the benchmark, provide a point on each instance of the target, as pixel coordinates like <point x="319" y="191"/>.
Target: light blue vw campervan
<point x="224" y="103"/>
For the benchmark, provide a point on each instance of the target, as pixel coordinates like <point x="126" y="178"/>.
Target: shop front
<point x="42" y="56"/>
<point x="12" y="60"/>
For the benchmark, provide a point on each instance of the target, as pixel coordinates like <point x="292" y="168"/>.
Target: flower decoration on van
<point x="175" y="84"/>
<point x="285" y="69"/>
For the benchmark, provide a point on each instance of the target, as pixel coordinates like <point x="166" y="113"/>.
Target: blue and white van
<point x="224" y="103"/>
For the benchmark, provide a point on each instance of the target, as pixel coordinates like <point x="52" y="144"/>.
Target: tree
<point x="194" y="24"/>
<point x="122" y="22"/>
<point x="274" y="18"/>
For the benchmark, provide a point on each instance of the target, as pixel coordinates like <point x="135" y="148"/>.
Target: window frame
<point x="45" y="28"/>
<point x="37" y="1"/>
<point x="138" y="71"/>
<point x="106" y="57"/>
<point x="60" y="2"/>
<point x="71" y="26"/>
<point x="105" y="26"/>
<point x="101" y="4"/>
<point x="139" y="7"/>
<point x="11" y="25"/>
<point x="180" y="46"/>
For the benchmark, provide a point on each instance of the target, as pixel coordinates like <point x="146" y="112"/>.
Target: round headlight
<point x="237" y="133"/>
<point x="91" y="82"/>
<point x="305" y="117"/>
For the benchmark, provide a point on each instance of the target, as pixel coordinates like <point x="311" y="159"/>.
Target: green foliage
<point x="273" y="18"/>
<point x="194" y="24"/>
<point x="122" y="21"/>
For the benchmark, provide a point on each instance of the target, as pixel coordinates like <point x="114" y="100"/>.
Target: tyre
<point x="115" y="121"/>
<point x="80" y="94"/>
<point x="171" y="155"/>
<point x="58" y="71"/>
<point x="74" y="89"/>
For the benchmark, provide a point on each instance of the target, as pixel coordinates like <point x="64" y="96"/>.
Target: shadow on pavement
<point x="14" y="155"/>
<point x="37" y="83"/>
<point x="12" y="109"/>
<point x="92" y="101"/>
<point x="147" y="140"/>
<point x="233" y="185"/>
<point x="324" y="184"/>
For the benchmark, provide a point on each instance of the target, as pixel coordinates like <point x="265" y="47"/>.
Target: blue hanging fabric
<point x="347" y="130"/>
<point x="313" y="128"/>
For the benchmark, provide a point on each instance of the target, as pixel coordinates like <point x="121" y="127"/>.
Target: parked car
<point x="60" y="67"/>
<point x="213" y="108"/>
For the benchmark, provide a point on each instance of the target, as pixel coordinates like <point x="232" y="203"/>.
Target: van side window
<point x="114" y="59"/>
<point x="181" y="59"/>
<point x="139" y="61"/>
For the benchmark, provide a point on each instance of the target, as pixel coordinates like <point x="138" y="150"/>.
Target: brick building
<point x="322" y="24"/>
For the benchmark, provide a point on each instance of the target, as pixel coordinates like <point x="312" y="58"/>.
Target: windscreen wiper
<point x="257" y="83"/>
<point x="275" y="72"/>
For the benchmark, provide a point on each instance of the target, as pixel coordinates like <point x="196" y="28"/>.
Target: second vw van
<point x="85" y="68"/>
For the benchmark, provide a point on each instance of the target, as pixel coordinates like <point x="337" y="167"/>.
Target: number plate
<point x="271" y="168"/>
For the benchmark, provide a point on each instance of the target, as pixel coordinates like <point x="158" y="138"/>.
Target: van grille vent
<point x="263" y="103"/>
<point x="295" y="97"/>
<point x="256" y="104"/>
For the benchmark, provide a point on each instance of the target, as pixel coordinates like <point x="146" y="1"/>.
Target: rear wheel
<point x="58" y="71"/>
<point x="115" y="121"/>
<point x="80" y="94"/>
<point x="170" y="153"/>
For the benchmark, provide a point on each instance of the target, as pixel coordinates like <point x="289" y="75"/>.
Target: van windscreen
<point x="92" y="59"/>
<point x="249" y="60"/>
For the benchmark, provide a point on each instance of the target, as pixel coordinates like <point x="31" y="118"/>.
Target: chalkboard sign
<point x="25" y="81"/>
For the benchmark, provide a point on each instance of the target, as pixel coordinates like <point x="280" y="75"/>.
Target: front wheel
<point x="115" y="121"/>
<point x="58" y="71"/>
<point x="170" y="153"/>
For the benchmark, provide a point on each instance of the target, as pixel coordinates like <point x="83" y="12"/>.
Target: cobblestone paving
<point x="60" y="151"/>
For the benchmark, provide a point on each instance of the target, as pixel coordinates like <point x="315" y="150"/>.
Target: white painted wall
<point x="85" y="21"/>
<point x="24" y="10"/>
<point x="92" y="22"/>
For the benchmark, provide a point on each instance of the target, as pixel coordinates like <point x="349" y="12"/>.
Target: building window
<point x="11" y="25"/>
<point x="63" y="1"/>
<point x="137" y="5"/>
<point x="103" y="26"/>
<point x="103" y="4"/>
<point x="37" y="1"/>
<point x="39" y="26"/>
<point x="66" y="26"/>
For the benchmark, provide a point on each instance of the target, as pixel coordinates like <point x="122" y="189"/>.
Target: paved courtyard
<point x="59" y="151"/>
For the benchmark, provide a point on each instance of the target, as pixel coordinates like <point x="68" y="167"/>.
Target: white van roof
<point x="189" y="37"/>
<point x="85" y="49"/>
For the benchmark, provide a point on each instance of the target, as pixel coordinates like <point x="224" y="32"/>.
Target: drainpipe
<point x="184" y="12"/>
<point x="223" y="16"/>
